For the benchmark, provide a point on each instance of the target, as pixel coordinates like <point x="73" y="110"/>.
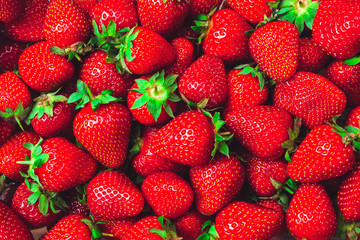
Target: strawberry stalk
<point x="76" y="50"/>
<point x="168" y="232"/>
<point x="210" y="232"/>
<point x="95" y="232"/>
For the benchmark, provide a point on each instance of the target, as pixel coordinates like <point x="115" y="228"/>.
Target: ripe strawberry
<point x="123" y="13"/>
<point x="163" y="17"/>
<point x="216" y="183"/>
<point x="12" y="227"/>
<point x="275" y="48"/>
<point x="310" y="214"/>
<point x="189" y="226"/>
<point x="29" y="26"/>
<point x="187" y="139"/>
<point x="168" y="194"/>
<point x="202" y="6"/>
<point x="205" y="78"/>
<point x="6" y="130"/>
<point x="242" y="220"/>
<point x="321" y="155"/>
<point x="261" y="129"/>
<point x="10" y="10"/>
<point x="42" y="70"/>
<point x="311" y="97"/>
<point x="65" y="24"/>
<point x="311" y="57"/>
<point x="111" y="195"/>
<point x="118" y="228"/>
<point x="140" y="230"/>
<point x="9" y="55"/>
<point x="13" y="151"/>
<point x="335" y="28"/>
<point x="347" y="78"/>
<point x="272" y="204"/>
<point x="353" y="118"/>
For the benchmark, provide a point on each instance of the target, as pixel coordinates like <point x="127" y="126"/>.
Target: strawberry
<point x="311" y="57"/>
<point x="187" y="139"/>
<point x="261" y="129"/>
<point x="29" y="26"/>
<point x="205" y="78"/>
<point x="310" y="214"/>
<point x="321" y="155"/>
<point x="242" y="220"/>
<point x="86" y="5"/>
<point x="275" y="48"/>
<point x="347" y="78"/>
<point x="100" y="75"/>
<point x="189" y="226"/>
<point x="202" y="6"/>
<point x="123" y="13"/>
<point x="353" y="118"/>
<point x="164" y="16"/>
<point x="311" y="97"/>
<point x="117" y="228"/>
<point x="13" y="151"/>
<point x="9" y="55"/>
<point x="272" y="204"/>
<point x="335" y="28"/>
<point x="111" y="195"/>
<point x="6" y="130"/>
<point x="175" y="193"/>
<point x="65" y="24"/>
<point x="10" y="10"/>
<point x="140" y="230"/>
<point x="42" y="70"/>
<point x="216" y="183"/>
<point x="12" y="227"/>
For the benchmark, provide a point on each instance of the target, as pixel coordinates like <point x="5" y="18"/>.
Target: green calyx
<point x="291" y="144"/>
<point x="76" y="50"/>
<point x="93" y="226"/>
<point x="18" y="115"/>
<point x="84" y="96"/>
<point x="346" y="229"/>
<point x="350" y="134"/>
<point x="168" y="231"/>
<point x="255" y="72"/>
<point x="155" y="93"/>
<point x="203" y="23"/>
<point x="352" y="61"/>
<point x="209" y="232"/>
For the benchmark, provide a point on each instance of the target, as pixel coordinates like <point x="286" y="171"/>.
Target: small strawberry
<point x="310" y="214"/>
<point x="202" y="7"/>
<point x="216" y="183"/>
<point x="205" y="78"/>
<point x="6" y="130"/>
<point x="189" y="226"/>
<point x="311" y="57"/>
<point x="9" y="55"/>
<point x="353" y="118"/>
<point x="111" y="195"/>
<point x="140" y="230"/>
<point x="175" y="193"/>
<point x="10" y="10"/>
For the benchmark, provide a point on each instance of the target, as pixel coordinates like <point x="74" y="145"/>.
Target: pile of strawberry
<point x="180" y="119"/>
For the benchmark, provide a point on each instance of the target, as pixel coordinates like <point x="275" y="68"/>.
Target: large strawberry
<point x="10" y="10"/>
<point x="311" y="97"/>
<point x="275" y="48"/>
<point x="216" y="183"/>
<point x="335" y="28"/>
<point x="111" y="195"/>
<point x="310" y="214"/>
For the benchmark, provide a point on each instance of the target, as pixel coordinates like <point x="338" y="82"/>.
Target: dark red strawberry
<point x="9" y="55"/>
<point x="10" y="10"/>
<point x="6" y="130"/>
<point x="140" y="230"/>
<point x="353" y="118"/>
<point x="310" y="214"/>
<point x="202" y="6"/>
<point x="75" y="199"/>
<point x="311" y="57"/>
<point x="189" y="226"/>
<point x="111" y="195"/>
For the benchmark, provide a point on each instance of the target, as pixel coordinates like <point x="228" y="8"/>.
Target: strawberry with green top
<point x="189" y="225"/>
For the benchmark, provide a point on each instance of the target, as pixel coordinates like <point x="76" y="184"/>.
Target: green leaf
<point x="352" y="61"/>
<point x="96" y="233"/>
<point x="161" y="233"/>
<point x="246" y="70"/>
<point x="141" y="101"/>
<point x="142" y="83"/>
<point x="352" y="129"/>
<point x="287" y="156"/>
<point x="43" y="205"/>
<point x="111" y="28"/>
<point x="224" y="149"/>
<point x="32" y="199"/>
<point x="299" y="23"/>
<point x="219" y="124"/>
<point x="219" y="138"/>
<point x="76" y="96"/>
<point x="356" y="145"/>
<point x="174" y="98"/>
<point x="168" y="109"/>
<point x="206" y="224"/>
<point x="357" y="230"/>
<point x="28" y="146"/>
<point x="213" y="231"/>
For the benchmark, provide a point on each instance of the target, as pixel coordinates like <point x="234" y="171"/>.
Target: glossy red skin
<point x="189" y="226"/>
<point x="9" y="55"/>
<point x="29" y="26"/>
<point x="42" y="70"/>
<point x="252" y="11"/>
<point x="275" y="48"/>
<point x="13" y="151"/>
<point x="31" y="214"/>
<point x="205" y="78"/>
<point x="104" y="133"/>
<point x="187" y="139"/>
<point x="311" y="214"/>
<point x="168" y="194"/>
<point x="117" y="228"/>
<point x="226" y="37"/>
<point x="261" y="129"/>
<point x="353" y="118"/>
<point x="321" y="155"/>
<point x="335" y="28"/>
<point x="273" y="204"/>
<point x="100" y="75"/>
<point x="6" y="130"/>
<point x="347" y="78"/>
<point x="111" y="195"/>
<point x="65" y="24"/>
<point x="123" y="13"/>
<point x="140" y="230"/>
<point x="68" y="165"/>
<point x="311" y="57"/>
<point x="311" y="97"/>
<point x="216" y="183"/>
<point x="202" y="7"/>
<point x="11" y="226"/>
<point x="10" y="10"/>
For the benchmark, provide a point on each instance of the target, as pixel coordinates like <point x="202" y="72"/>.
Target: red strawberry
<point x="311" y="57"/>
<point x="12" y="227"/>
<point x="216" y="183"/>
<point x="6" y="130"/>
<point x="140" y="230"/>
<point x="202" y="6"/>
<point x="13" y="151"/>
<point x="335" y="28"/>
<point x="205" y="78"/>
<point x="321" y="155"/>
<point x="42" y="70"/>
<point x="10" y="10"/>
<point x="347" y="78"/>
<point x="164" y="16"/>
<point x="261" y="129"/>
<point x="168" y="194"/>
<point x="123" y="13"/>
<point x="272" y="204"/>
<point x="353" y="118"/>
<point x="275" y="48"/>
<point x="65" y="24"/>
<point x="187" y="139"/>
<point x="9" y="55"/>
<point x="189" y="226"/>
<point x="118" y="228"/>
<point x="29" y="26"/>
<point x="310" y="214"/>
<point x="242" y="220"/>
<point x="311" y="97"/>
<point x="111" y="195"/>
